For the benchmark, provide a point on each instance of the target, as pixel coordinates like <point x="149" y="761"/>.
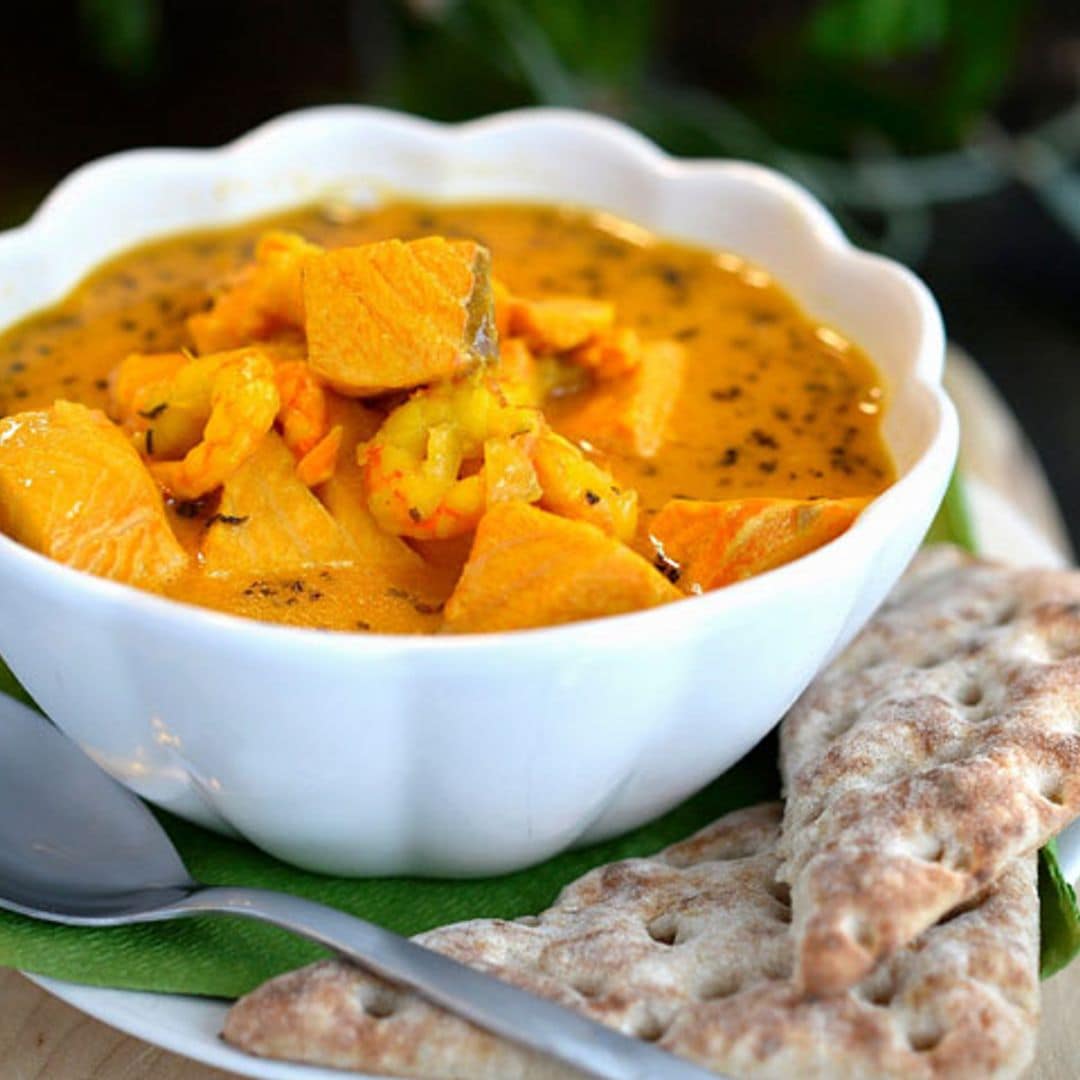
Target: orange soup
<point x="550" y="414"/>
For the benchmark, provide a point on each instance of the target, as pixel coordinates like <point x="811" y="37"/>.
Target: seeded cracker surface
<point x="941" y="746"/>
<point x="691" y="949"/>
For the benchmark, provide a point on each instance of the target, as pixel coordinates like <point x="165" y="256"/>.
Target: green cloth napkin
<point x="225" y="957"/>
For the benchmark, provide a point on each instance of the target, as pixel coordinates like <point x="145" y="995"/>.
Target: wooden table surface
<point x="41" y="1037"/>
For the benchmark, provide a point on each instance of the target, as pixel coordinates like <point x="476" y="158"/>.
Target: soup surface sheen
<point x="772" y="404"/>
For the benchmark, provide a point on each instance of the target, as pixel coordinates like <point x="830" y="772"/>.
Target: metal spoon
<point x="77" y="848"/>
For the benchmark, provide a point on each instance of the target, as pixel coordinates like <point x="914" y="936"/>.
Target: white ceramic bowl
<point x="379" y="754"/>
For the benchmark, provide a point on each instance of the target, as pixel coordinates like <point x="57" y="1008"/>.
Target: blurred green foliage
<point x="918" y="73"/>
<point x="876" y="105"/>
<point x="823" y="74"/>
<point x="877" y="29"/>
<point x="458" y="59"/>
<point x="884" y="108"/>
<point x="123" y="34"/>
<point x="915" y="73"/>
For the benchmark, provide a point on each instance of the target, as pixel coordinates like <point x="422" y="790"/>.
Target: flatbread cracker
<point x="941" y="746"/>
<point x="690" y="949"/>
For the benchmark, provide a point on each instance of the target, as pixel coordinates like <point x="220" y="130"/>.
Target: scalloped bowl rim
<point x="66" y="201"/>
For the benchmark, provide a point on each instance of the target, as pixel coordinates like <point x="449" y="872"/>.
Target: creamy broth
<point x="773" y="403"/>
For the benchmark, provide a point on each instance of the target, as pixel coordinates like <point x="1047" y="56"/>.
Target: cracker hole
<point x="930" y="849"/>
<point x="747" y="849"/>
<point x="650" y="1029"/>
<point x="878" y="988"/>
<point x="923" y="1042"/>
<point x="663" y="930"/>
<point x="1052" y="790"/>
<point x="970" y="694"/>
<point x="588" y="986"/>
<point x="844" y="723"/>
<point x="880" y="996"/>
<point x="1006" y="613"/>
<point x="864" y="935"/>
<point x="780" y="891"/>
<point x="379" y="1003"/>
<point x="962" y="861"/>
<point x="875" y="658"/>
<point x="933" y="660"/>
<point x="718" y="987"/>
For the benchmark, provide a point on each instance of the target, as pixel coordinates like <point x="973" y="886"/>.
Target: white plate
<point x="191" y="1026"/>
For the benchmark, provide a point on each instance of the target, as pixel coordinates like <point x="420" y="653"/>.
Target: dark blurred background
<point x="943" y="132"/>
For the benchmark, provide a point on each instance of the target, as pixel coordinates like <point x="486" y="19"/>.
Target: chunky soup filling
<point x="421" y="419"/>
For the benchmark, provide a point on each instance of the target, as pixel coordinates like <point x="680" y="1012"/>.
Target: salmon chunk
<point x="557" y="324"/>
<point x="395" y="315"/>
<point x="529" y="568"/>
<point x="268" y="522"/>
<point x="630" y="414"/>
<point x="73" y="487"/>
<point x="717" y="543"/>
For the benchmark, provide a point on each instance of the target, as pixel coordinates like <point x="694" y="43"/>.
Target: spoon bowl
<point x="73" y="842"/>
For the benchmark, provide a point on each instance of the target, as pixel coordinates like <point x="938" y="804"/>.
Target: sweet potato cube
<point x="530" y="568"/>
<point x="268" y="521"/>
<point x="394" y="315"/>
<point x="73" y="487"/>
<point x="717" y="543"/>
<point x="630" y="414"/>
<point x="611" y="353"/>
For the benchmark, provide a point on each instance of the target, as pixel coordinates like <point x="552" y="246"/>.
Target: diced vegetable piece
<point x="73" y="487"/>
<point x="631" y="413"/>
<point x="529" y="568"/>
<point x="394" y="315"/>
<point x="509" y="472"/>
<point x="265" y="300"/>
<point x="344" y="495"/>
<point x="611" y="353"/>
<point x="518" y="374"/>
<point x="560" y="323"/>
<point x="717" y="543"/>
<point x="526" y="379"/>
<point x="268" y="522"/>
<point x="578" y="488"/>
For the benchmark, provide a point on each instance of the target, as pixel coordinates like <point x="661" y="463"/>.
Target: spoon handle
<point x="486" y="1001"/>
